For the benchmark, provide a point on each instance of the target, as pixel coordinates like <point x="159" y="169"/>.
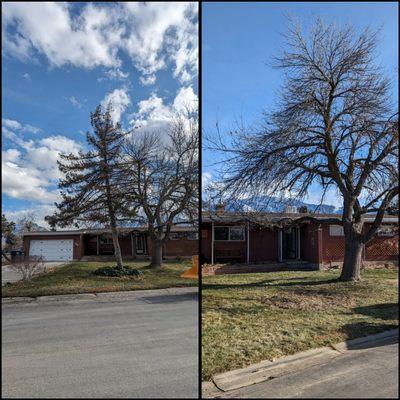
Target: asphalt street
<point x="362" y="373"/>
<point x="145" y="347"/>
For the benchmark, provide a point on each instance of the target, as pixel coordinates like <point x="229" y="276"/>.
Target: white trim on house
<point x="212" y="242"/>
<point x="248" y="244"/>
<point x="298" y="243"/>
<point x="280" y="245"/>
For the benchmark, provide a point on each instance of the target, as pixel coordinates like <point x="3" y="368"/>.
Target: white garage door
<point x="52" y="250"/>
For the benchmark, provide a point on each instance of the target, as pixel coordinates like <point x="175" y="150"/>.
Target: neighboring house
<point x="91" y="243"/>
<point x="312" y="239"/>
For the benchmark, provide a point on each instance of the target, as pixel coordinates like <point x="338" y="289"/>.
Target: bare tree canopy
<point x="334" y="125"/>
<point x="163" y="178"/>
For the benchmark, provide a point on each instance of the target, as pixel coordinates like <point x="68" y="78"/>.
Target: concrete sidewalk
<point x="319" y="373"/>
<point x="103" y="296"/>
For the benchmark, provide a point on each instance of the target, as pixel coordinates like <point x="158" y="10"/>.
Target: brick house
<point x="94" y="243"/>
<point x="288" y="238"/>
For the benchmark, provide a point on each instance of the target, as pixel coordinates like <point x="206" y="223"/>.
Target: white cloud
<point x="117" y="74"/>
<point x="11" y="155"/>
<point x="38" y="212"/>
<point x="153" y="34"/>
<point x="74" y="101"/>
<point x="160" y="28"/>
<point x="12" y="124"/>
<point x="148" y="80"/>
<point x="30" y="128"/>
<point x="48" y="28"/>
<point x="153" y="114"/>
<point x="186" y="99"/>
<point x="9" y="125"/>
<point x="31" y="172"/>
<point x="119" y="100"/>
<point x="206" y="179"/>
<point x="26" y="76"/>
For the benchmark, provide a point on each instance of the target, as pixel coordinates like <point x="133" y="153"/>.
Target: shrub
<point x="28" y="267"/>
<point x="117" y="272"/>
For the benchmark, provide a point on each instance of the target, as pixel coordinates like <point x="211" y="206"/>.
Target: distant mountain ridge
<point x="274" y="204"/>
<point x="35" y="227"/>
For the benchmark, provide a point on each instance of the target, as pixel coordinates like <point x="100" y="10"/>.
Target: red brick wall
<point x="205" y="237"/>
<point x="77" y="250"/>
<point x="181" y="247"/>
<point x="310" y="243"/>
<point x="263" y="245"/>
<point x="332" y="246"/>
<point x="380" y="248"/>
<point x="126" y="245"/>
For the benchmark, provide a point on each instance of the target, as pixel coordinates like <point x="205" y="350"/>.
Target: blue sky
<point x="239" y="40"/>
<point x="60" y="60"/>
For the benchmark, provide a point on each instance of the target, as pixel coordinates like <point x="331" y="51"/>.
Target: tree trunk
<point x="117" y="248"/>
<point x="352" y="260"/>
<point x="156" y="253"/>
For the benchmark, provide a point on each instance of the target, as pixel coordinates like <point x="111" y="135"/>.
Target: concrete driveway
<point x="8" y="275"/>
<point x="367" y="373"/>
<point x="144" y="347"/>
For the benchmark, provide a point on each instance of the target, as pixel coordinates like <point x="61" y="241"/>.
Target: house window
<point x="221" y="233"/>
<point x="174" y="235"/>
<point x="386" y="230"/>
<point x="106" y="239"/>
<point x="192" y="235"/>
<point x="232" y="233"/>
<point x="236" y="233"/>
<point x="336" y="230"/>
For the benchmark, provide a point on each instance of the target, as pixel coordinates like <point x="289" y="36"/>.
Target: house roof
<point x="279" y="219"/>
<point x="104" y="230"/>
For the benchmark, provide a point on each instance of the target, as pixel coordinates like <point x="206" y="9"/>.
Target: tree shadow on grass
<point x="302" y="281"/>
<point x="386" y="312"/>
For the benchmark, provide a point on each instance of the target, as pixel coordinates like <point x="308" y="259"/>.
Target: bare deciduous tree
<point x="91" y="189"/>
<point x="162" y="176"/>
<point x="334" y="125"/>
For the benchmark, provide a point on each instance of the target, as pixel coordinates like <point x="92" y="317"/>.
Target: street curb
<point x="266" y="370"/>
<point x="369" y="340"/>
<point x="105" y="296"/>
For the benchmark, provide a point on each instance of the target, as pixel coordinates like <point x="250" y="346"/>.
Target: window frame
<point x="336" y="235"/>
<point x="174" y="236"/>
<point x="195" y="234"/>
<point x="229" y="233"/>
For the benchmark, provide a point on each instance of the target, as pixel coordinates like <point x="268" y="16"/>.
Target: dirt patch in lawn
<point x="309" y="302"/>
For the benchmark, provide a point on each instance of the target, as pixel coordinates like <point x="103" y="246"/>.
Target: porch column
<point x="280" y="245"/>
<point x="248" y="244"/>
<point x="97" y="244"/>
<point x="298" y="242"/>
<point x="212" y="242"/>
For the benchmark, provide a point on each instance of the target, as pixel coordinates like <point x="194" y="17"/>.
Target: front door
<point x="140" y="242"/>
<point x="289" y="244"/>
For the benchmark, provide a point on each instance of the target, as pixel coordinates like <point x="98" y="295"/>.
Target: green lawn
<point x="247" y="318"/>
<point x="77" y="277"/>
